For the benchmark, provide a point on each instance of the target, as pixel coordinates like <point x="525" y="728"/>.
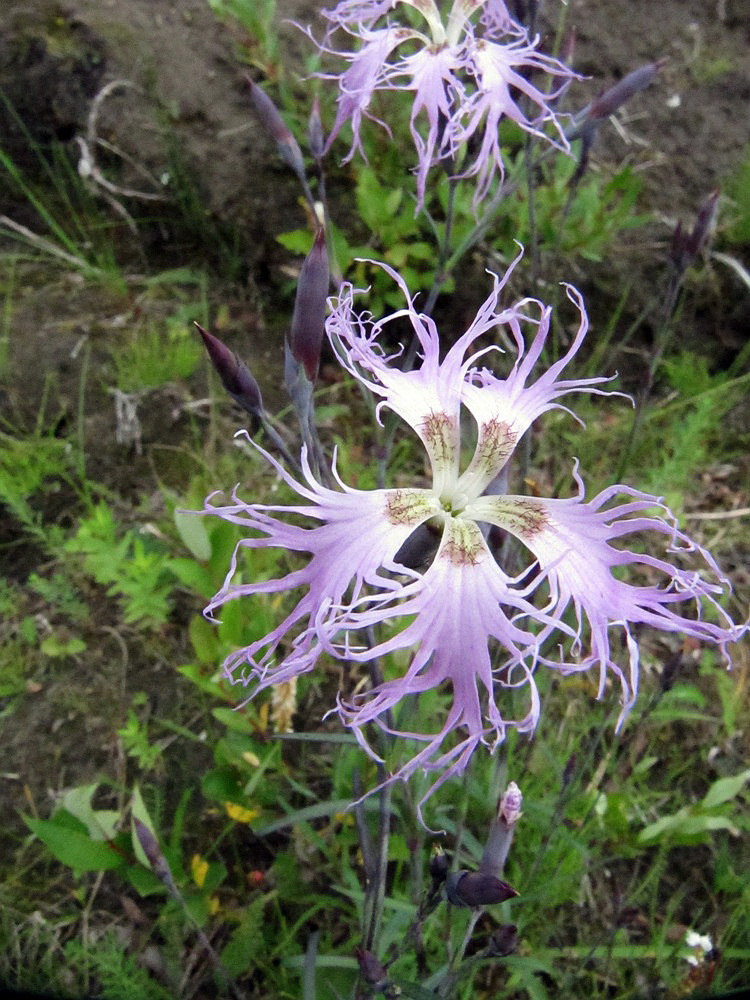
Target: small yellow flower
<point x="214" y="905"/>
<point x="199" y="868"/>
<point x="239" y="814"/>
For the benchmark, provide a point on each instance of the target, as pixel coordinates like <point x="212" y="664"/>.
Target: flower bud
<point x="438" y="865"/>
<point x="315" y="136"/>
<point x="474" y="889"/>
<point x="687" y="246"/>
<point x="503" y="941"/>
<point x="610" y="100"/>
<point x="308" y="320"/>
<point x="234" y="374"/>
<point x="274" y="124"/>
<point x="372" y="969"/>
<point x="153" y="853"/>
<point x="509" y="810"/>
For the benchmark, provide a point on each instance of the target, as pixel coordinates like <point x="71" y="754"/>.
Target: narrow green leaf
<point x="653" y="832"/>
<point x="139" y="811"/>
<point x="317" y="811"/>
<point x="694" y="826"/>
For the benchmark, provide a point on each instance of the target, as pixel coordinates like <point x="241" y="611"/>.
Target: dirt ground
<point x="685" y="136"/>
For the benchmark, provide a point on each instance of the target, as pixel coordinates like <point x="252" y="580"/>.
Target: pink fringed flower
<point x="467" y="623"/>
<point x="465" y="78"/>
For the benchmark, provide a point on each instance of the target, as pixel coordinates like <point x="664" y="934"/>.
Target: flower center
<point x="454" y="503"/>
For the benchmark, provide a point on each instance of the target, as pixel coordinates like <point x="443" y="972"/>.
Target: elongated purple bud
<point x="687" y="246"/>
<point x="234" y="374"/>
<point x="474" y="889"/>
<point x="587" y="121"/>
<point x="153" y="853"/>
<point x="274" y="124"/>
<point x="610" y="100"/>
<point x="308" y="320"/>
<point x="315" y="131"/>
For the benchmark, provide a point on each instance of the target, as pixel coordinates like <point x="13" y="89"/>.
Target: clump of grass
<point x="154" y="356"/>
<point x="72" y="230"/>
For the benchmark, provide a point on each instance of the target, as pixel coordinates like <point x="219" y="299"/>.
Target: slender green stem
<point x="440" y="276"/>
<point x="662" y="339"/>
<point x="276" y="439"/>
<point x="446" y="986"/>
<point x="375" y="890"/>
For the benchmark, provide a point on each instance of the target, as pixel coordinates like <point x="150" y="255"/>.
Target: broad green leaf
<point x="215" y="876"/>
<point x="210" y="683"/>
<point x="74" y="849"/>
<point x="233" y="719"/>
<point x="192" y="530"/>
<point x="194" y="576"/>
<point x="144" y="881"/>
<point x="205" y="640"/>
<point x="725" y="789"/>
<point x="223" y="785"/>
<point x="100" y="823"/>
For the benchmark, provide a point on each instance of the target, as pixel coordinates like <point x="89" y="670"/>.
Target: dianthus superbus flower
<point x="465" y="72"/>
<point x="468" y="624"/>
